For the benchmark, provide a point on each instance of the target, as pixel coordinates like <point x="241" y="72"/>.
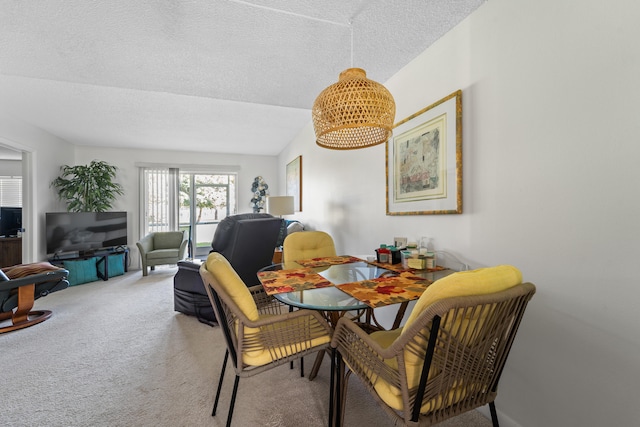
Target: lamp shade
<point x="353" y="113"/>
<point x="280" y="205"/>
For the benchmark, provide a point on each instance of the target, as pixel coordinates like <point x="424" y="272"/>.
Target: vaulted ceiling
<point x="225" y="76"/>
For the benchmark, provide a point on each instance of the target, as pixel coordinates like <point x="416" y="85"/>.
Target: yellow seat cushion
<point x="264" y="356"/>
<point x="476" y="282"/>
<point x="233" y="285"/>
<point x="308" y="244"/>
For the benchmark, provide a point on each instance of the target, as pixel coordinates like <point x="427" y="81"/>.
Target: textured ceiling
<point x="225" y="76"/>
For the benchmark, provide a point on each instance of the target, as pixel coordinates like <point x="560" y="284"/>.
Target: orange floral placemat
<point x="387" y="290"/>
<point x="300" y="279"/>
<point x="331" y="260"/>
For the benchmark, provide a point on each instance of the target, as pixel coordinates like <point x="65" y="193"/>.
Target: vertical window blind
<point x="159" y="199"/>
<point x="193" y="199"/>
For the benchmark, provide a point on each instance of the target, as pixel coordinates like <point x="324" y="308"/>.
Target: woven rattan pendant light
<point x="353" y="113"/>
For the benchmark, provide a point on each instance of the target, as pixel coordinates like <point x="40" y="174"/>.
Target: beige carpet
<point x="116" y="354"/>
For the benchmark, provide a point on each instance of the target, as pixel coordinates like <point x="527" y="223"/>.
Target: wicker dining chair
<point x="259" y="333"/>
<point x="448" y="357"/>
<point x="444" y="259"/>
<point x="306" y="245"/>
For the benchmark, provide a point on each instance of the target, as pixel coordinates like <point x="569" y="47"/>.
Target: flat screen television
<point x="85" y="231"/>
<point x="10" y="221"/>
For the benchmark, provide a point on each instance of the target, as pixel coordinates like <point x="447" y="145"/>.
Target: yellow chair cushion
<point x="233" y="285"/>
<point x="264" y="356"/>
<point x="476" y="282"/>
<point x="308" y="244"/>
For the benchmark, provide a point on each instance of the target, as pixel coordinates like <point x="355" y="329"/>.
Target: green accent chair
<point x="161" y="248"/>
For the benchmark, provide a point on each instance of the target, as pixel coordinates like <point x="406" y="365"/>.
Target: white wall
<point x="127" y="175"/>
<point x="47" y="154"/>
<point x="550" y="106"/>
<point x="43" y="155"/>
<point x="11" y="167"/>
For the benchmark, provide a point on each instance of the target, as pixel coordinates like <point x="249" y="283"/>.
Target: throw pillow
<point x="82" y="271"/>
<point x="294" y="226"/>
<point x="24" y="270"/>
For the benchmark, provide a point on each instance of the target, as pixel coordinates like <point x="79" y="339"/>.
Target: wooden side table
<point x="10" y="251"/>
<point x="277" y="256"/>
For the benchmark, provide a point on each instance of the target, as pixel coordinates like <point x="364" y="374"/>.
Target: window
<point x="205" y="200"/>
<point x="196" y="201"/>
<point x="11" y="191"/>
<point x="160" y="202"/>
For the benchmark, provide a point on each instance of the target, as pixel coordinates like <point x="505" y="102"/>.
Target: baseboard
<point x="504" y="420"/>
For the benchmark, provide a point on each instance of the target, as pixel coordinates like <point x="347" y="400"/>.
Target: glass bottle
<point x="384" y="254"/>
<point x="427" y="249"/>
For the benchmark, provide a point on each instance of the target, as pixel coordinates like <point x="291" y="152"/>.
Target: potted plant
<point x="88" y="188"/>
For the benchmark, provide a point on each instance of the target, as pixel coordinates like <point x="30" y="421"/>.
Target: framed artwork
<point x="294" y="182"/>
<point x="424" y="161"/>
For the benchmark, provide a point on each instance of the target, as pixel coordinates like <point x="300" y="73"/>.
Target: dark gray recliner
<point x="247" y="241"/>
<point x="189" y="295"/>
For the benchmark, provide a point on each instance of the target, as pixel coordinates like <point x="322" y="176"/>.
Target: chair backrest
<point x="225" y="281"/>
<point x="462" y="343"/>
<point x="230" y="298"/>
<point x="247" y="241"/>
<point x="473" y="282"/>
<point x="168" y="239"/>
<point x="308" y="244"/>
<point x="460" y="333"/>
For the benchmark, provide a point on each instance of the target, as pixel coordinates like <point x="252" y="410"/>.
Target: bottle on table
<point x="384" y="254"/>
<point x="427" y="249"/>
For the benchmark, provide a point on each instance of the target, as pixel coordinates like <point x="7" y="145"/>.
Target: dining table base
<point x="369" y="325"/>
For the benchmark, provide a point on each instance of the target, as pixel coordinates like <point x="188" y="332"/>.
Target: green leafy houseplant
<point x="88" y="188"/>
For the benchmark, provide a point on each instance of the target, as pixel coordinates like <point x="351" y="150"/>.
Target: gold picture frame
<point x="424" y="161"/>
<point x="294" y="182"/>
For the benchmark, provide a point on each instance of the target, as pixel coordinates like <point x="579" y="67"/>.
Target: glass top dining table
<point x="335" y="303"/>
<point x="333" y="299"/>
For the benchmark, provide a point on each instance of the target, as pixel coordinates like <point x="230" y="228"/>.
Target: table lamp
<point x="280" y="205"/>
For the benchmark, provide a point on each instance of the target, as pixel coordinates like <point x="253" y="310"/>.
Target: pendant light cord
<point x="351" y="30"/>
<point x="286" y="12"/>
